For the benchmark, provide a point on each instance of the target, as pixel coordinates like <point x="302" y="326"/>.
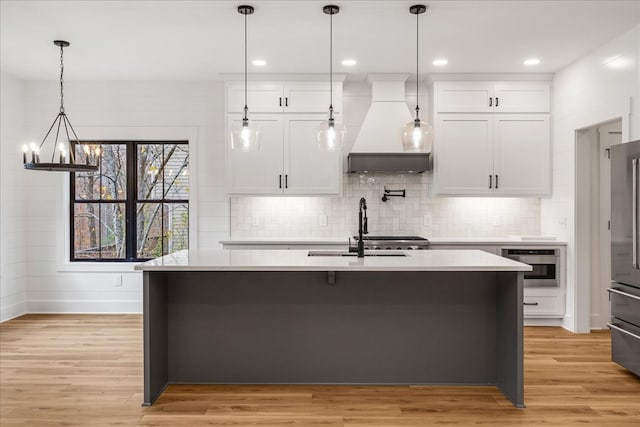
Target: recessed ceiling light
<point x="259" y="62"/>
<point x="440" y="62"/>
<point x="531" y="61"/>
<point x="349" y="62"/>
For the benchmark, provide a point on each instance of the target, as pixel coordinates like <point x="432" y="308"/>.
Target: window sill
<point x="98" y="267"/>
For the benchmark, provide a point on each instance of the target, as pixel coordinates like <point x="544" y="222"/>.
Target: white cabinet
<point x="492" y="97"/>
<point x="543" y="303"/>
<point x="289" y="160"/>
<point x="485" y="154"/>
<point x="307" y="168"/>
<point x="257" y="172"/>
<point x="492" y="138"/>
<point x="463" y="160"/>
<point x="278" y="97"/>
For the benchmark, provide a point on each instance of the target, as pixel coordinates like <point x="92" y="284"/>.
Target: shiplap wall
<point x="586" y="93"/>
<point x="13" y="225"/>
<point x="109" y="110"/>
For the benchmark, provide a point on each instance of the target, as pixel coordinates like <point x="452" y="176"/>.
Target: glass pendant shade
<point x="417" y="137"/>
<point x="331" y="135"/>
<point x="245" y="137"/>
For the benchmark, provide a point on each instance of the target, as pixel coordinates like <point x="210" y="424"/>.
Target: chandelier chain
<point x="62" y="79"/>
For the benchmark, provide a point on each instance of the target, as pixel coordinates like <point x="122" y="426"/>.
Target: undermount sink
<point x="354" y="254"/>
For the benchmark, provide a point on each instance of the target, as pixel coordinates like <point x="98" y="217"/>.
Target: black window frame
<point x="130" y="202"/>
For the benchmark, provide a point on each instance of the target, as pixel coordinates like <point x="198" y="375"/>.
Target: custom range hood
<point x="378" y="146"/>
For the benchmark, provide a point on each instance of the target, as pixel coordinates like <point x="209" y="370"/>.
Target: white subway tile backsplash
<point x="297" y="217"/>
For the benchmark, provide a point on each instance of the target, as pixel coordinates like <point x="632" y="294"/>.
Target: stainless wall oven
<point x="545" y="264"/>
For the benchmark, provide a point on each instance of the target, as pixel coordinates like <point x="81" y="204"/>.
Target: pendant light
<point x="330" y="132"/>
<point x="245" y="137"/>
<point x="417" y="135"/>
<point x="65" y="161"/>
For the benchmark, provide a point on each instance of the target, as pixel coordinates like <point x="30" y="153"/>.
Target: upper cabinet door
<point x="308" y="169"/>
<point x="522" y="154"/>
<point x="463" y="154"/>
<point x="261" y="98"/>
<point x="257" y="172"/>
<point x="463" y="97"/>
<point x="522" y="97"/>
<point x="307" y="97"/>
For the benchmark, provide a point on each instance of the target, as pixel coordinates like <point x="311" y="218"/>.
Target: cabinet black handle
<point x="490" y="102"/>
<point x="280" y="181"/>
<point x="530" y="303"/>
<point x="490" y="181"/>
<point x="286" y="181"/>
<point x="286" y="101"/>
<point x="496" y="181"/>
<point x="280" y="101"/>
<point x="497" y="101"/>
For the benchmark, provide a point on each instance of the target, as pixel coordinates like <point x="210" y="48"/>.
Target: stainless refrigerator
<point x="624" y="292"/>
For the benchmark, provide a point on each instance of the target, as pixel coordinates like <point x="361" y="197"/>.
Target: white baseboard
<point x="13" y="311"/>
<point x="532" y="321"/>
<point x="85" y="307"/>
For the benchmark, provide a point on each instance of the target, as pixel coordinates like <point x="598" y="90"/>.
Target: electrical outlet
<point x="255" y="221"/>
<point x="323" y="220"/>
<point x="117" y="281"/>
<point x="426" y="220"/>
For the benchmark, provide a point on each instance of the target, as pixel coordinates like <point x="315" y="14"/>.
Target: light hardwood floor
<point x="86" y="370"/>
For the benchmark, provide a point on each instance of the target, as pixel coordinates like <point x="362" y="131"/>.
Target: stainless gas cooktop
<point x="394" y="242"/>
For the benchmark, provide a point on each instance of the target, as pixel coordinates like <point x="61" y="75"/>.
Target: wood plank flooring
<point x="86" y="370"/>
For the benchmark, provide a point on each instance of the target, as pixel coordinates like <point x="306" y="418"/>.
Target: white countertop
<point x="510" y="240"/>
<point x="298" y="260"/>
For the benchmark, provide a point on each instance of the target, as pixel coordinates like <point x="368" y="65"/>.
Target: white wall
<point x="592" y="90"/>
<point x="13" y="255"/>
<point x="136" y="110"/>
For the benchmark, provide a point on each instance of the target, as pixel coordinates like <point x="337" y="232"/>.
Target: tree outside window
<point x="136" y="206"/>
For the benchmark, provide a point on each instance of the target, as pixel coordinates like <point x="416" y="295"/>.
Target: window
<point x="135" y="207"/>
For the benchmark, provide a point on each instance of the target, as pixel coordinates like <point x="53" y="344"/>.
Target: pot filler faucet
<point x="362" y="226"/>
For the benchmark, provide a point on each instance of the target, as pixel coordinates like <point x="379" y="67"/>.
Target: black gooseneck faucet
<point x="362" y="226"/>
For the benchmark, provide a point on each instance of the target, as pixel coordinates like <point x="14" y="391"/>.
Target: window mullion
<point x="132" y="198"/>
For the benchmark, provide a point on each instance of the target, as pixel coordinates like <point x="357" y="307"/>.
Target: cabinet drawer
<point x="625" y="345"/>
<point x="625" y="303"/>
<point x="543" y="306"/>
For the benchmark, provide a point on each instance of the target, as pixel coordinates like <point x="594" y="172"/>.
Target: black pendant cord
<point x="331" y="67"/>
<point x="245" y="69"/>
<point x="417" y="65"/>
<point x="331" y="10"/>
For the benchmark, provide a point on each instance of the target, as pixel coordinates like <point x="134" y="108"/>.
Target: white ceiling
<point x="194" y="40"/>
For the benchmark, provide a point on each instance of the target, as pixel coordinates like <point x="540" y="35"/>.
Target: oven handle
<point x="624" y="294"/>
<point x="624" y="331"/>
<point x="534" y="259"/>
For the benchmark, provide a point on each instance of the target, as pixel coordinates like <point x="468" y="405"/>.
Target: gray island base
<point x="333" y="327"/>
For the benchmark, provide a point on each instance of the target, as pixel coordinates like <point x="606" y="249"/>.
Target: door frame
<point x="593" y="211"/>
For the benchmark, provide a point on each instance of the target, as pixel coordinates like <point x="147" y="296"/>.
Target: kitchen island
<point x="282" y="316"/>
